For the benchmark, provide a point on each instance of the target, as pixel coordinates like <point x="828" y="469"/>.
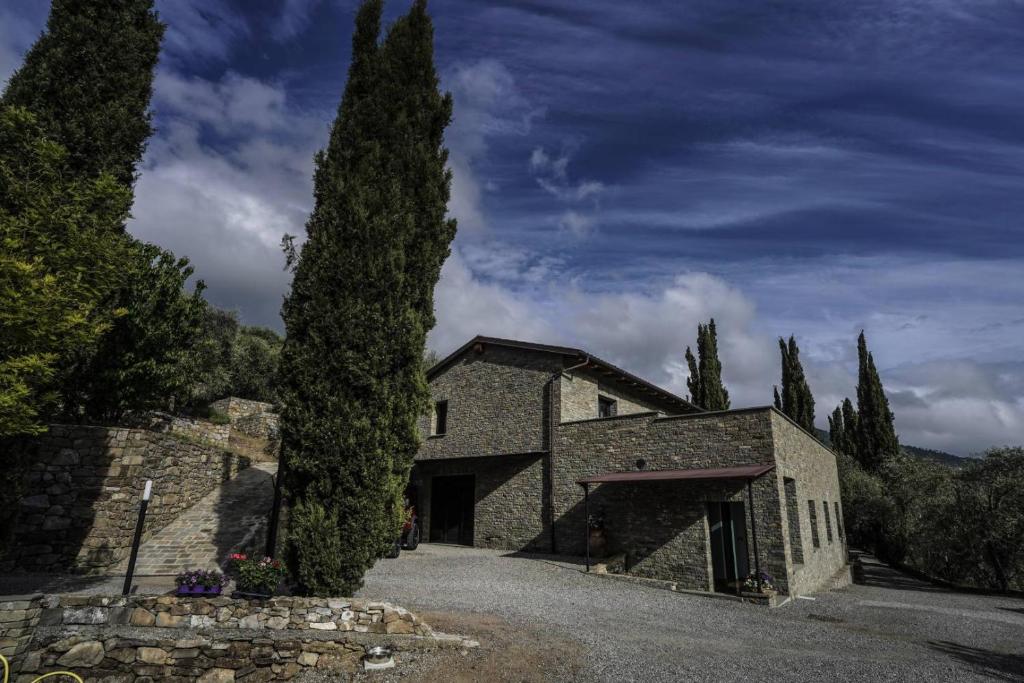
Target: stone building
<point x="525" y="440"/>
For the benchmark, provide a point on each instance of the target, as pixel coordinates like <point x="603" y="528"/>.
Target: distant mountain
<point x="940" y="457"/>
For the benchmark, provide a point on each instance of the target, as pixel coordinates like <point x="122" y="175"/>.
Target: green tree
<point x="142" y="361"/>
<point x="352" y="381"/>
<point x="876" y="433"/>
<point x="209" y="364"/>
<point x="705" y="381"/>
<point x="842" y="429"/>
<point x="57" y="263"/>
<point x="88" y="81"/>
<point x="255" y="355"/>
<point x="988" y="518"/>
<point x="796" y="399"/>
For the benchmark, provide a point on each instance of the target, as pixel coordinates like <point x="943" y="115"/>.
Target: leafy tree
<point x="210" y="362"/>
<point x="352" y="381"/>
<point x="796" y="400"/>
<point x="57" y="262"/>
<point x="988" y="518"/>
<point x="876" y="434"/>
<point x="705" y="381"/>
<point x="88" y="81"/>
<point x="255" y="356"/>
<point x="142" y="362"/>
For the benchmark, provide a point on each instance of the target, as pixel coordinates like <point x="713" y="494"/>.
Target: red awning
<point x="744" y="472"/>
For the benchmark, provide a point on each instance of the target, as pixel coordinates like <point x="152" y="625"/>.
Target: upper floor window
<point x="606" y="407"/>
<point x="813" y="514"/>
<point x="440" y="418"/>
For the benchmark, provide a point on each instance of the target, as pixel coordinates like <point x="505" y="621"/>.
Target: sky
<point x="623" y="171"/>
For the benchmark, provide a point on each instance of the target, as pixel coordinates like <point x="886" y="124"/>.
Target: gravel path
<point x="893" y="629"/>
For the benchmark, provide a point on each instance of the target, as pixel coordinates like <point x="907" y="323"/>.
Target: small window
<point x="440" y="418"/>
<point x="606" y="407"/>
<point x="828" y="521"/>
<point x="813" y="510"/>
<point x="839" y="521"/>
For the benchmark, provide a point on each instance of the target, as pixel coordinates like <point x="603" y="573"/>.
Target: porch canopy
<point x="743" y="472"/>
<point x="747" y="473"/>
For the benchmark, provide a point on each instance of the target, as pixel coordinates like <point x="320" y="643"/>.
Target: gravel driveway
<point x="892" y="629"/>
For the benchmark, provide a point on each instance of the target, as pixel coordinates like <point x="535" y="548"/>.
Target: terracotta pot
<point x="598" y="543"/>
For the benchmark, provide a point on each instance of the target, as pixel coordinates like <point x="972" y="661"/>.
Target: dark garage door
<point x="451" y="509"/>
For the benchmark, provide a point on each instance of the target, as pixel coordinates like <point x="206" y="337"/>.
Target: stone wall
<point x="19" y="616"/>
<point x="218" y="639"/>
<point x="235" y="407"/>
<point x="580" y="390"/>
<point x="812" y="468"/>
<point x="83" y="491"/>
<point x="509" y="495"/>
<point x="497" y="404"/>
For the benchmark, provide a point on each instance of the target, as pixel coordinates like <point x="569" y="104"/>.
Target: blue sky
<point x="625" y="170"/>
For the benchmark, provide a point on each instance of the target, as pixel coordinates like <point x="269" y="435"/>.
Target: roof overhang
<point x="741" y="472"/>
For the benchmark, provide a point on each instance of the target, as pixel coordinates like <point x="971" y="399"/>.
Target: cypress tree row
<point x="842" y="429"/>
<point x="796" y="400"/>
<point x="876" y="434"/>
<point x="361" y="304"/>
<point x="88" y="81"/>
<point x="705" y="381"/>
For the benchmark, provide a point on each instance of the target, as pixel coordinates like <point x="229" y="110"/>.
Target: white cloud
<point x="293" y="18"/>
<point x="227" y="208"/>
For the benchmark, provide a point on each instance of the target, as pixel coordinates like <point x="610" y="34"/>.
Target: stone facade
<point x="509" y="499"/>
<point x="497" y="404"/>
<point x="524" y="422"/>
<point x="83" y="489"/>
<point x="579" y="397"/>
<point x="213" y="640"/>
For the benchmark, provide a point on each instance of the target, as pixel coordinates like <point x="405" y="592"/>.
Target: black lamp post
<point x="146" y="493"/>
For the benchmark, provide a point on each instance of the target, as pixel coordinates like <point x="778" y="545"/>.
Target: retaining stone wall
<point x="215" y="640"/>
<point x="235" y="407"/>
<point x="19" y="615"/>
<point x="84" y="486"/>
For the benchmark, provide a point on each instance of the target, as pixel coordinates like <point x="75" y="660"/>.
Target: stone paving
<point x="229" y="519"/>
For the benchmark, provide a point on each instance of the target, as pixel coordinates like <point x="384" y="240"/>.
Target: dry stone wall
<point x="84" y="487"/>
<point x="168" y="638"/>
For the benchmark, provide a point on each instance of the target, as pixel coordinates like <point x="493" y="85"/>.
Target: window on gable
<point x="440" y="418"/>
<point x="606" y="407"/>
<point x="813" y="510"/>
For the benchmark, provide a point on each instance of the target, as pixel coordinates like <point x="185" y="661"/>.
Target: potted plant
<point x="258" y="578"/>
<point x="767" y="584"/>
<point x="200" y="582"/>
<point x="598" y="540"/>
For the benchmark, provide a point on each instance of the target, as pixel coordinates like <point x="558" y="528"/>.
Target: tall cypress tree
<point x="796" y="400"/>
<point x="876" y="434"/>
<point x="705" y="381"/>
<point x="88" y="82"/>
<point x="842" y="428"/>
<point x="352" y="380"/>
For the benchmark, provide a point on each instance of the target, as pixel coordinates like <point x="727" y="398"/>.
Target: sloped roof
<point x="593" y="363"/>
